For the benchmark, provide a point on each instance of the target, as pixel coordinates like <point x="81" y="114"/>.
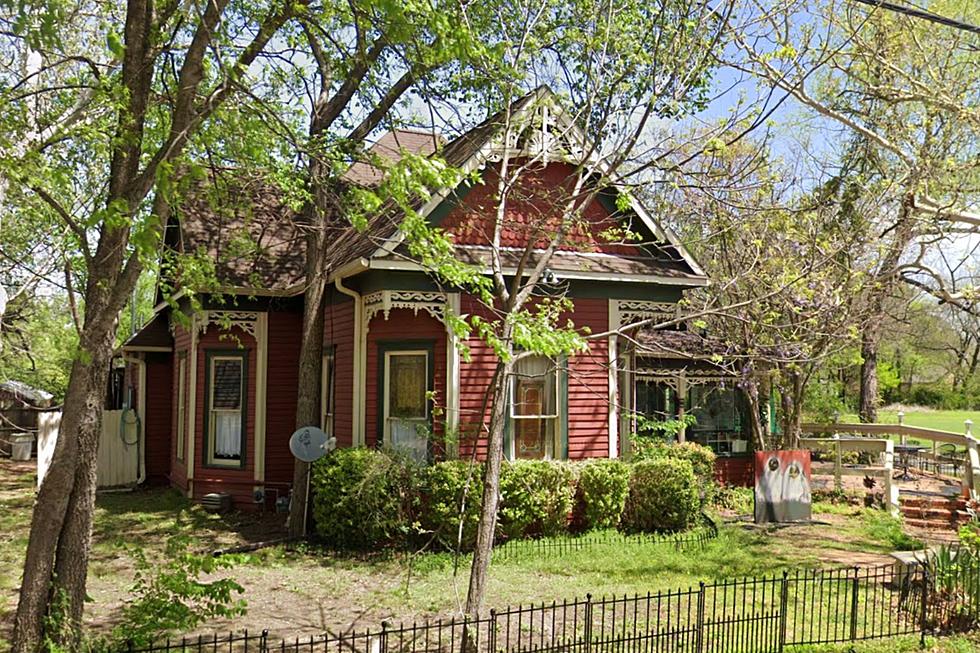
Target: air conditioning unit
<point x="217" y="502"/>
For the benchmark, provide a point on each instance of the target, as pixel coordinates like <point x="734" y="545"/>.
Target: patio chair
<point x="947" y="454"/>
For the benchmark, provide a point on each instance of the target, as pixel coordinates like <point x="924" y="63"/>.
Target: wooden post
<point x="838" y="465"/>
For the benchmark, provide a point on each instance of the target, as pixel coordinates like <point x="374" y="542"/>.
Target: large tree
<point x="908" y="90"/>
<point x="99" y="103"/>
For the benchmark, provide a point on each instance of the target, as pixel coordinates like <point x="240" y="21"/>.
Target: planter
<point x="21" y="445"/>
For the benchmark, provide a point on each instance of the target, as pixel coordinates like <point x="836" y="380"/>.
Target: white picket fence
<point x="119" y="463"/>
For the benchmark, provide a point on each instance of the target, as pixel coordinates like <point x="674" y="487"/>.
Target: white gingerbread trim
<point x="383" y="301"/>
<point x="247" y="321"/>
<point x="634" y="311"/>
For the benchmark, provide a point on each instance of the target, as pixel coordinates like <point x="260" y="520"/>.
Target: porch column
<point x="681" y="405"/>
<point x="612" y="360"/>
<point x="452" y="381"/>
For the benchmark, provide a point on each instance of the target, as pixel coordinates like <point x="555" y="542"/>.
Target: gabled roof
<point x="473" y="150"/>
<point x="153" y="336"/>
<point x="254" y="211"/>
<point x="245" y="225"/>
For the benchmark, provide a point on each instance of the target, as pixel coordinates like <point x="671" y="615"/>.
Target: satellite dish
<point x="310" y="443"/>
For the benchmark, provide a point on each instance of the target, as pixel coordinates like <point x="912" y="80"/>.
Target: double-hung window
<point x="534" y="408"/>
<point x="226" y="408"/>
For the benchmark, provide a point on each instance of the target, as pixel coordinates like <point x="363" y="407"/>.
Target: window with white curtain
<point x="534" y="408"/>
<point x="226" y="409"/>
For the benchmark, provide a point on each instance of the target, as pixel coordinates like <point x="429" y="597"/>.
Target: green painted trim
<point x="210" y="354"/>
<point x="385" y="347"/>
<point x="438" y="214"/>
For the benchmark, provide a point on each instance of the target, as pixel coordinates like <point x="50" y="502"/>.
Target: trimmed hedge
<point x="536" y="497"/>
<point x="702" y="459"/>
<point x="603" y="487"/>
<point x="363" y="498"/>
<point x="442" y="488"/>
<point x="368" y="499"/>
<point x="663" y="496"/>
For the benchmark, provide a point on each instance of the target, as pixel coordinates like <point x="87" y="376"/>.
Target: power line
<point x="920" y="13"/>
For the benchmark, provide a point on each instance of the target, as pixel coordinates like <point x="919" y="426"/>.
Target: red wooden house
<point x="220" y="383"/>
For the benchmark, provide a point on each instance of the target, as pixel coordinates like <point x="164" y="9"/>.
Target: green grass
<point x="942" y="420"/>
<point x="401" y="588"/>
<point x="910" y="644"/>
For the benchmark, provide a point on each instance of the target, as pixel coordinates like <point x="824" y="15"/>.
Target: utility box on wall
<point x="782" y="486"/>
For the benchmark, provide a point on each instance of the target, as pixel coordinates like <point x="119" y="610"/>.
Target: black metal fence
<point x="757" y="615"/>
<point x="561" y="546"/>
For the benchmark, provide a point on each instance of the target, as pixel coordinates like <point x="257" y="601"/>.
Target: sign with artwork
<point x="782" y="486"/>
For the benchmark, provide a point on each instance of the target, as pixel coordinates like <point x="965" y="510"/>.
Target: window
<point x="181" y="403"/>
<point x="406" y="401"/>
<point x="327" y="390"/>
<point x="534" y="408"/>
<point x="226" y="409"/>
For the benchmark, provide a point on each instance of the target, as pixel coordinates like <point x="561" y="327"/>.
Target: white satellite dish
<point x="310" y="443"/>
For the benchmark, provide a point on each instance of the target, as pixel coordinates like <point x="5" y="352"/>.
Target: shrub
<point x="443" y="485"/>
<point x="603" y="486"/>
<point x="702" y="459"/>
<point x="536" y="497"/>
<point x="363" y="498"/>
<point x="169" y="596"/>
<point x="663" y="496"/>
<point x="740" y="500"/>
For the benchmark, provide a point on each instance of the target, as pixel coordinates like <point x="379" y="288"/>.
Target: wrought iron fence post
<point x="700" y="648"/>
<point x="492" y="635"/>
<point x="783" y="599"/>
<point x="923" y="606"/>
<point x="854" y="606"/>
<point x="383" y="637"/>
<point x="264" y="641"/>
<point x="588" y="623"/>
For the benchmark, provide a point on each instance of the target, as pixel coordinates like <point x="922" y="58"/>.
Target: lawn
<point x="929" y="418"/>
<point x="306" y="590"/>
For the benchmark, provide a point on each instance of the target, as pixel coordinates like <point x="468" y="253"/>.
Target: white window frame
<point x="181" y="406"/>
<point x="213" y="460"/>
<point x="386" y="395"/>
<point x="327" y="381"/>
<point x="551" y="444"/>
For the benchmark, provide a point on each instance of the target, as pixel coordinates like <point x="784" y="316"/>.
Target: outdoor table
<point x="904" y="451"/>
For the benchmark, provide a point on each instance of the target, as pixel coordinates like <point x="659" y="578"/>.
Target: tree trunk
<point x="868" y="409"/>
<point x="56" y="544"/>
<point x="750" y="391"/>
<point x="310" y="374"/>
<point x="491" y="493"/>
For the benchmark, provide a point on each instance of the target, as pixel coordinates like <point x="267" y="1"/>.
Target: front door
<point x="406" y="402"/>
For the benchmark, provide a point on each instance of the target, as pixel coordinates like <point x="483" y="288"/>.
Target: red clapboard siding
<point x="159" y="395"/>
<point x="541" y="194"/>
<point x="402" y="324"/>
<point x="236" y="482"/>
<point x="282" y="377"/>
<point x="588" y="386"/>
<point x="338" y="332"/>
<point x="182" y="346"/>
<point x="739" y="471"/>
